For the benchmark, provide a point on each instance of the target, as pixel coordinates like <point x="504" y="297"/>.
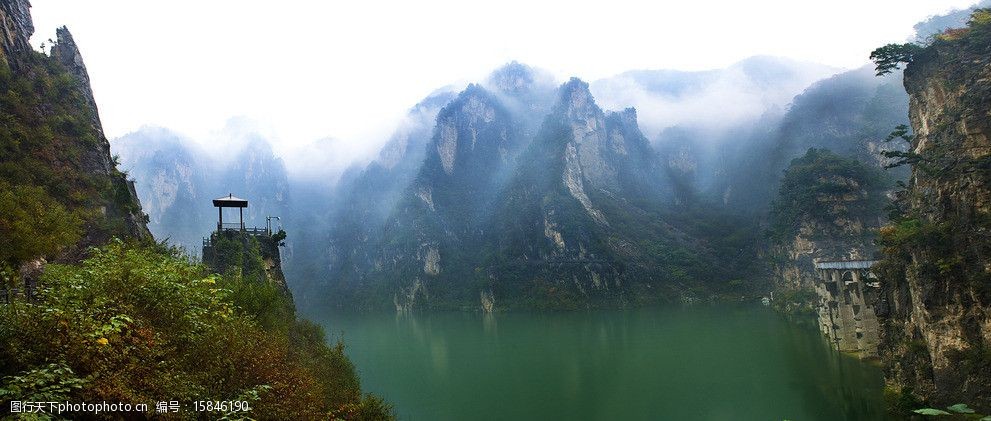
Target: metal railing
<point x="252" y="231"/>
<point x="256" y="231"/>
<point x="9" y="294"/>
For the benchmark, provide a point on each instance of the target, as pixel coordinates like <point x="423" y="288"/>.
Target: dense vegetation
<point x="924" y="230"/>
<point x="650" y="251"/>
<point x="934" y="274"/>
<point x="33" y="224"/>
<point x="132" y="321"/>
<point x="142" y="324"/>
<point x="54" y="189"/>
<point x="488" y="226"/>
<point x="825" y="189"/>
<point x="828" y="207"/>
<point x="849" y="114"/>
<point x="236" y="254"/>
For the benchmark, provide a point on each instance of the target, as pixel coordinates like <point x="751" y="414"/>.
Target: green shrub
<point x="48" y="144"/>
<point x="822" y="187"/>
<point x="33" y="224"/>
<point x="142" y="324"/>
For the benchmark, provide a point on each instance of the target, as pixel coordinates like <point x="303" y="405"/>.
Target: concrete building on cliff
<point x="847" y="292"/>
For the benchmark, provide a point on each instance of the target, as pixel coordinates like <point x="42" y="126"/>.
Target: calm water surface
<point x="699" y="363"/>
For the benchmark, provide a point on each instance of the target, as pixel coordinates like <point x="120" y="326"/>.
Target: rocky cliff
<point x="367" y="197"/>
<point x="936" y="275"/>
<point x="53" y="147"/>
<point x="176" y="180"/>
<point x="171" y="179"/>
<point x="581" y="220"/>
<point x="700" y="148"/>
<point x="66" y="52"/>
<point x="530" y="196"/>
<point x="849" y="114"/>
<point x="828" y="208"/>
<point x="442" y="215"/>
<point x="248" y="255"/>
<point x="16" y="28"/>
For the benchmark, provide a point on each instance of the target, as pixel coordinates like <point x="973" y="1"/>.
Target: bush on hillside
<point x="142" y="324"/>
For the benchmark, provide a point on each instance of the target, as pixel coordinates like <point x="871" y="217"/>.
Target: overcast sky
<point x="304" y="70"/>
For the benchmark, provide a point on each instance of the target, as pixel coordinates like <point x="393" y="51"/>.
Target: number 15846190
<point x="221" y="406"/>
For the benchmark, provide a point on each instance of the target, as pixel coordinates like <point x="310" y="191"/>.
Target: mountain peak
<point x="473" y="89"/>
<point x="475" y="102"/>
<point x="66" y="51"/>
<point x="514" y="78"/>
<point x="575" y="86"/>
<point x="476" y="118"/>
<point x="577" y="101"/>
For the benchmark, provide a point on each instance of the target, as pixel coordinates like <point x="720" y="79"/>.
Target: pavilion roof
<point x="230" y="201"/>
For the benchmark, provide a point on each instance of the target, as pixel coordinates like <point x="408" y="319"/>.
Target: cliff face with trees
<point x="256" y="258"/>
<point x="92" y="310"/>
<point x="828" y="208"/>
<point x="531" y="197"/>
<point x="60" y="190"/>
<point x="936" y="274"/>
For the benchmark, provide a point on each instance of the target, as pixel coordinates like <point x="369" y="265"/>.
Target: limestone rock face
<point x="533" y="195"/>
<point x="368" y="197"/>
<point x="16" y="28"/>
<point x="97" y="159"/>
<point x="832" y="238"/>
<point x="936" y="311"/>
<point x="489" y="201"/>
<point x="473" y="118"/>
<point x="447" y="147"/>
<point x="810" y="246"/>
<point x="574" y="178"/>
<point x="407" y="298"/>
<point x="66" y="52"/>
<point x="78" y="154"/>
<point x="605" y="153"/>
<point x="431" y="262"/>
<point x="590" y="140"/>
<point x="439" y="214"/>
<point x="173" y="185"/>
<point x="408" y="144"/>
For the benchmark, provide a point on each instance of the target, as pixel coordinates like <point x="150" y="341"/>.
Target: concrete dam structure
<point x="847" y="292"/>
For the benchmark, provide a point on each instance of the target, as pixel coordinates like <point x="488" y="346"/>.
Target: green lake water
<point x="694" y="363"/>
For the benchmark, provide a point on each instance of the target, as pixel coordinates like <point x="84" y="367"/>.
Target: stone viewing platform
<point x="252" y="251"/>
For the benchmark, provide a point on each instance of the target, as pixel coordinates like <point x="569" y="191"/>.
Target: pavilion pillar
<point x="230" y="202"/>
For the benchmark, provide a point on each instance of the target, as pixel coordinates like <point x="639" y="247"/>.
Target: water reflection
<point x="683" y="363"/>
